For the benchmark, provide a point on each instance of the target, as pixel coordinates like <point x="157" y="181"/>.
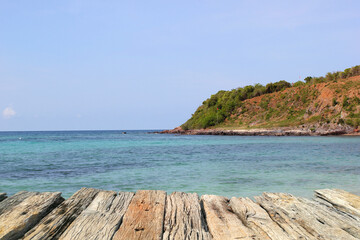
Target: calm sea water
<point x="222" y="165"/>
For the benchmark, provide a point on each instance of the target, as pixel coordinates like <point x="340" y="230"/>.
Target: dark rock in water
<point x="2" y="196"/>
<point x="177" y="130"/>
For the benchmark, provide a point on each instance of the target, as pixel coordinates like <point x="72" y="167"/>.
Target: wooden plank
<point x="144" y="217"/>
<point x="256" y="218"/>
<point x="184" y="218"/>
<point x="307" y="219"/>
<point x="222" y="222"/>
<point x="282" y="218"/>
<point x="101" y="218"/>
<point x="18" y="218"/>
<point x="11" y="202"/>
<point x="341" y="200"/>
<point x="2" y="196"/>
<point x="331" y="216"/>
<point x="56" y="222"/>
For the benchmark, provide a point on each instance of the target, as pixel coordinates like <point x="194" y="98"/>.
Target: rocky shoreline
<point x="305" y="131"/>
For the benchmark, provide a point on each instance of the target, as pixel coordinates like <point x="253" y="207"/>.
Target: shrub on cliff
<point x="308" y="79"/>
<point x="298" y="84"/>
<point x="334" y="76"/>
<point x="277" y="86"/>
<point x="258" y="90"/>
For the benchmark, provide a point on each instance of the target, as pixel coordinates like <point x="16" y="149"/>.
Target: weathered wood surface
<point x="282" y="218"/>
<point x="144" y="217"/>
<point x="2" y="196"/>
<point x="11" y="202"/>
<point x="23" y="211"/>
<point x="101" y="218"/>
<point x="57" y="221"/>
<point x="306" y="219"/>
<point x="223" y="223"/>
<point x="341" y="200"/>
<point x="184" y="218"/>
<point x="255" y="217"/>
<point x="96" y="214"/>
<point x="331" y="216"/>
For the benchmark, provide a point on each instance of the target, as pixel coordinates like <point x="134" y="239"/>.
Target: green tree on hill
<point x="224" y="104"/>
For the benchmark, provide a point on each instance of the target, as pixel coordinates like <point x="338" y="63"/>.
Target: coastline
<point x="284" y="131"/>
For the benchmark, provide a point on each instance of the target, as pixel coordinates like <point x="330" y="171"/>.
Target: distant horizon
<point x="149" y="65"/>
<point x="85" y="130"/>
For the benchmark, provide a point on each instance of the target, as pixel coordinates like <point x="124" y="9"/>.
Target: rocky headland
<point x="319" y="106"/>
<point x="284" y="131"/>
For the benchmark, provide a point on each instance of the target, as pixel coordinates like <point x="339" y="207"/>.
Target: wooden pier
<point x="147" y="214"/>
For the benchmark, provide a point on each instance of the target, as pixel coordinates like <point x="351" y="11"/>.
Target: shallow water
<point x="222" y="165"/>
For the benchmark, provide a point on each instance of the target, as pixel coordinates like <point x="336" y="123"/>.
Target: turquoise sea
<point x="224" y="165"/>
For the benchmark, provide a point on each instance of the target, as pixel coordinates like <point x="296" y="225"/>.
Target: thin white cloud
<point x="8" y="112"/>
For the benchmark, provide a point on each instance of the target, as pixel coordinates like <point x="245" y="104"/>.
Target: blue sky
<point x="68" y="65"/>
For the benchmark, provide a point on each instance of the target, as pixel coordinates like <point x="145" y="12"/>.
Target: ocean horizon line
<point x="84" y="130"/>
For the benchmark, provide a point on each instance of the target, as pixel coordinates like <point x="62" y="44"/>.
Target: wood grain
<point x="256" y="218"/>
<point x="56" y="222"/>
<point x="23" y="211"/>
<point x="144" y="217"/>
<point x="184" y="218"/>
<point x="302" y="218"/>
<point x="101" y="218"/>
<point x="223" y="223"/>
<point x="94" y="214"/>
<point x="341" y="200"/>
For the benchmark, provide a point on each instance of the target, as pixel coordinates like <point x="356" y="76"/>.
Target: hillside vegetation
<point x="333" y="100"/>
